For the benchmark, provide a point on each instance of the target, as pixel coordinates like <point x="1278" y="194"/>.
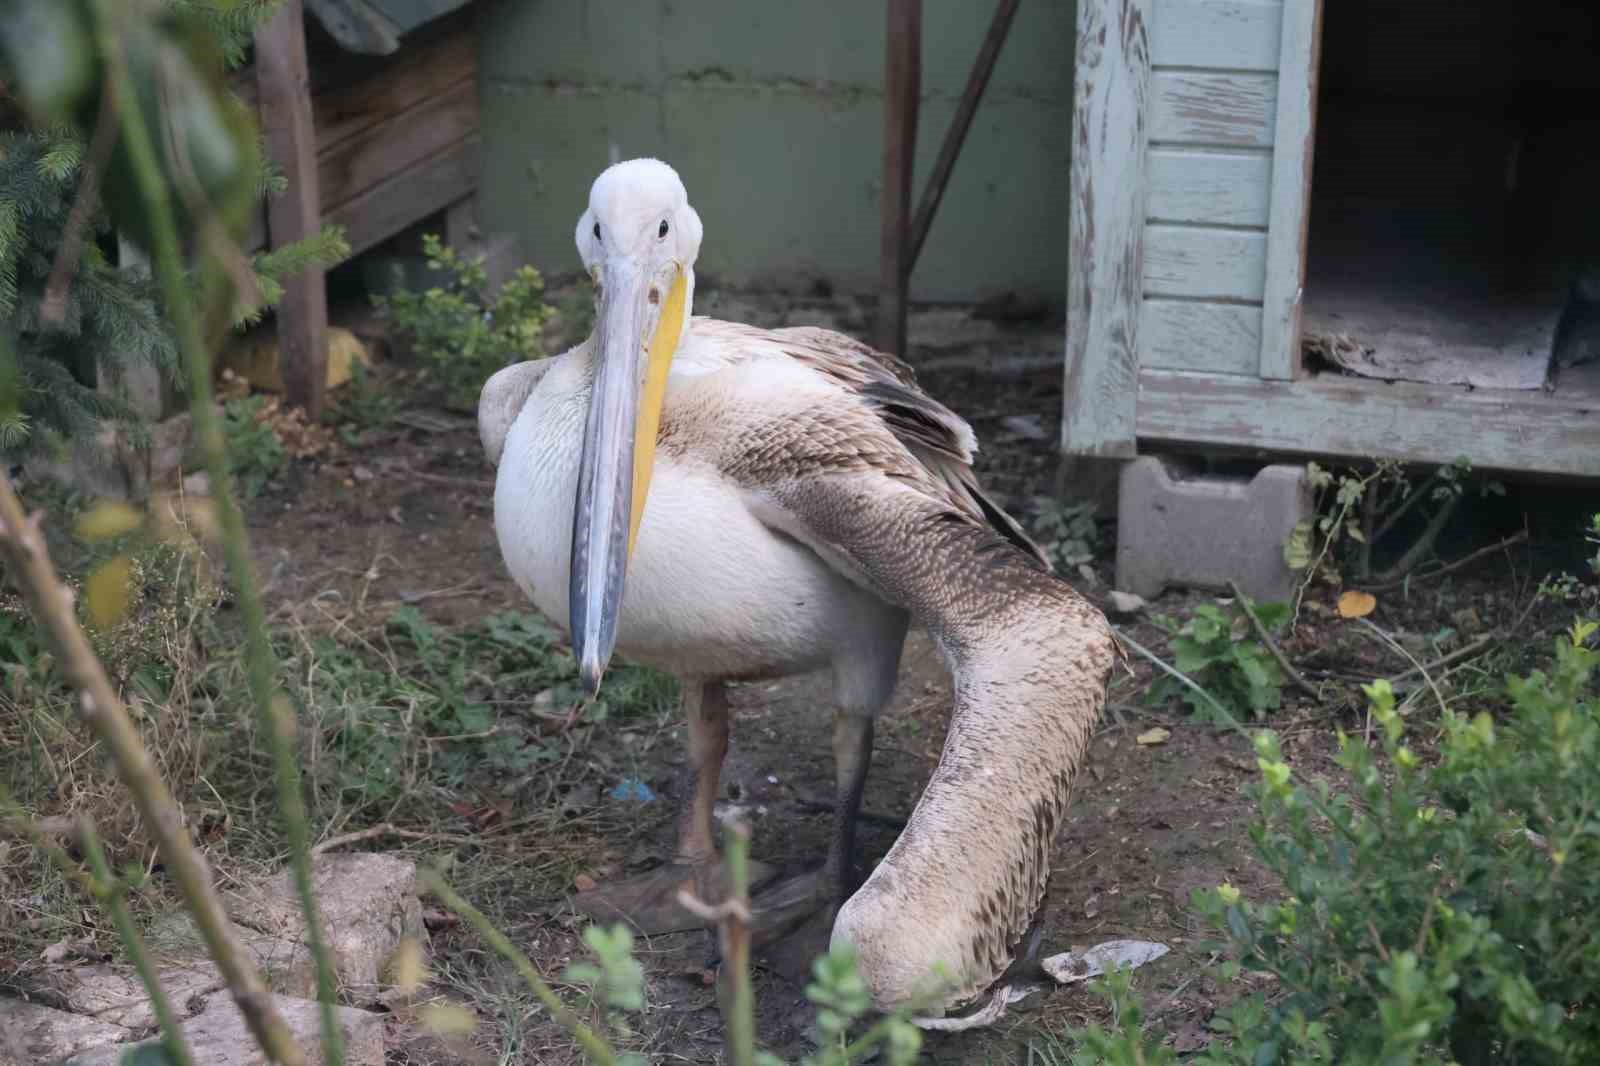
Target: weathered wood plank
<point x="397" y="143"/>
<point x="1217" y="188"/>
<point x="1200" y="336"/>
<point x="291" y="140"/>
<point x="1213" y="264"/>
<point x="427" y="69"/>
<point x="1203" y="107"/>
<point x="418" y="75"/>
<point x="1530" y="432"/>
<point x="1106" y="244"/>
<point x="1225" y="34"/>
<point x="389" y="207"/>
<point x="1293" y="140"/>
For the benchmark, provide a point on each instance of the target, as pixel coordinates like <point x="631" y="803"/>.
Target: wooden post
<point x="902" y="86"/>
<point x="291" y="138"/>
<point x="1294" y="138"/>
<point x="1105" y="261"/>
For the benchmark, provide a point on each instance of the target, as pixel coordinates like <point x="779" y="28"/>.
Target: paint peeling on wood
<point x="1294" y="137"/>
<point x="1205" y="107"/>
<point x="1358" y="418"/>
<point x="1105" y="272"/>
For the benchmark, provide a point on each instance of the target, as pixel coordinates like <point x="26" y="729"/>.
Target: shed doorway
<point x="1455" y="198"/>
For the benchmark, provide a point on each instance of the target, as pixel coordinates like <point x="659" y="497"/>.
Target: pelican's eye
<point x="662" y="232"/>
<point x="597" y="231"/>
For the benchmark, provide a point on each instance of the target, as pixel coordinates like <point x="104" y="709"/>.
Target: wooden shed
<point x="1343" y="229"/>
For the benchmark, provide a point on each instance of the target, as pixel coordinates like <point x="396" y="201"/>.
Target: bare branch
<point x="29" y="564"/>
<point x="1266" y="638"/>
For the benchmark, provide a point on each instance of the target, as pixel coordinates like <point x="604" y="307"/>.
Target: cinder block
<point x="1205" y="531"/>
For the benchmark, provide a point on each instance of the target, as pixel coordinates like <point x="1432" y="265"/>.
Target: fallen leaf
<point x="448" y="1019"/>
<point x="1153" y="736"/>
<point x="108" y="519"/>
<point x="106" y="592"/>
<point x="1356" y="604"/>
<point x="408" y="968"/>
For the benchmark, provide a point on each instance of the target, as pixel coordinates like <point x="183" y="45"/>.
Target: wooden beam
<point x="393" y="204"/>
<point x="1333" y="415"/>
<point x="1295" y="134"/>
<point x="956" y="135"/>
<point x="291" y="138"/>
<point x="902" y="88"/>
<point x="1105" y="259"/>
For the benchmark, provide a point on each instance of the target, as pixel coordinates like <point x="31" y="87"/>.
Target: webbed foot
<point x="649" y="902"/>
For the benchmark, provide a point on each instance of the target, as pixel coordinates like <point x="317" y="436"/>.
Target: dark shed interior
<point x="1455" y="201"/>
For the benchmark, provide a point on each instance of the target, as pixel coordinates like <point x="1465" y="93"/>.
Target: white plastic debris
<point x="1067" y="968"/>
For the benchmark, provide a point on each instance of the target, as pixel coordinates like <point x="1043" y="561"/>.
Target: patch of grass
<point x="402" y="720"/>
<point x="362" y="407"/>
<point x="417" y="705"/>
<point x="255" y="452"/>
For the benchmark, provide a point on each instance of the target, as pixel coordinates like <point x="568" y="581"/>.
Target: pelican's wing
<point x="1030" y="659"/>
<point x="940" y="440"/>
<point x="501" y="402"/>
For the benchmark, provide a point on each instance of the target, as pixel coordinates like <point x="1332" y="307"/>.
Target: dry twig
<point x="1395" y="645"/>
<point x="1448" y="568"/>
<point x="1266" y="638"/>
<point x="1466" y="651"/>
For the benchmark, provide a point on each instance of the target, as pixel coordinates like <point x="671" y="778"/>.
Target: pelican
<point x="728" y="503"/>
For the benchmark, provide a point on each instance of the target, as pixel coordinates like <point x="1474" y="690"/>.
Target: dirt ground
<point x="407" y="518"/>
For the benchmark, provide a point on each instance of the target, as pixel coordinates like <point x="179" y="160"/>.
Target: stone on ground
<point x="31" y="1034"/>
<point x="218" y="1035"/>
<point x="115" y="994"/>
<point x="368" y="904"/>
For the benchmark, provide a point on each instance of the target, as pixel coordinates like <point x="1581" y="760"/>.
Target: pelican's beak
<point x="636" y="331"/>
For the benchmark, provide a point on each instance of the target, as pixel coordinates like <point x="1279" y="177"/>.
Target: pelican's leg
<point x="852" y="758"/>
<point x="801" y="910"/>
<point x="650" y="902"/>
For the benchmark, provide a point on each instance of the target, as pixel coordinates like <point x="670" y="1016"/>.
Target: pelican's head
<point x="639" y="239"/>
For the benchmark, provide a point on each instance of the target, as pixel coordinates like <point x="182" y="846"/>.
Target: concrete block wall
<point x="773" y="114"/>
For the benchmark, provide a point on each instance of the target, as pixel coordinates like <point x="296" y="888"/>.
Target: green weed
<point x="1219" y="651"/>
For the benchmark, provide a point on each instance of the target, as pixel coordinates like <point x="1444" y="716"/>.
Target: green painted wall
<point x="773" y="114"/>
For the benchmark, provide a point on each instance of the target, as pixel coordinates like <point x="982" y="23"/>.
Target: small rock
<point x="1028" y="427"/>
<point x="368" y="904"/>
<point x="584" y="883"/>
<point x="113" y="994"/>
<point x="218" y="1035"/>
<point x="362" y="473"/>
<point x="44" y="1034"/>
<point x="197" y="484"/>
<point x="1152" y="737"/>
<point x="1125" y="604"/>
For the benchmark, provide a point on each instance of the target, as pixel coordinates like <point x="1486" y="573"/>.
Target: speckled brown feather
<point x="840" y="471"/>
<point x="879" y="384"/>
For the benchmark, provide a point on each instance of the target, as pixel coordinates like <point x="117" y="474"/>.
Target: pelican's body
<point x="726" y="503"/>
<point x="713" y="590"/>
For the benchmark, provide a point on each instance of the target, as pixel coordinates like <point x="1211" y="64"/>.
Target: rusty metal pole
<point x="902" y="86"/>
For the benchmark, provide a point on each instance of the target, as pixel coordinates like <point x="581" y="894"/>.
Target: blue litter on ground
<point x="633" y="790"/>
